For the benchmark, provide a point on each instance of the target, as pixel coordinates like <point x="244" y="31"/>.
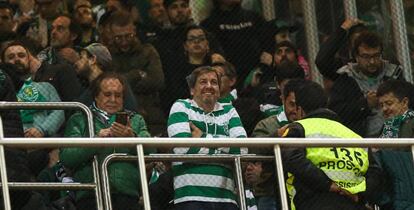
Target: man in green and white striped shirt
<point x="204" y="186"/>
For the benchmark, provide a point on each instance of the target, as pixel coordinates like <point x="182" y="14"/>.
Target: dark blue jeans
<point x="197" y="205"/>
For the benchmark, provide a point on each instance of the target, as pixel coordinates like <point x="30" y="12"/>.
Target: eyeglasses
<point x="196" y="39"/>
<point x="376" y="56"/>
<point x="127" y="37"/>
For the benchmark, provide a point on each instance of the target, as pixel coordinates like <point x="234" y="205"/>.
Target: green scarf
<point x="29" y="93"/>
<point x="102" y="116"/>
<point x="392" y="126"/>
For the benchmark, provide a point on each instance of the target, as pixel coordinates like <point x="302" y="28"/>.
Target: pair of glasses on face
<point x="127" y="37"/>
<point x="376" y="56"/>
<point x="196" y="39"/>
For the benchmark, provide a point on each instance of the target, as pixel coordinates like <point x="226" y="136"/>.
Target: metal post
<point x="350" y="9"/>
<point x="400" y="37"/>
<point x="268" y="8"/>
<point x="97" y="182"/>
<point x="3" y="172"/>
<point x="312" y="39"/>
<point x="239" y="181"/>
<point x="143" y="177"/>
<point x="281" y="177"/>
<point x="412" y="152"/>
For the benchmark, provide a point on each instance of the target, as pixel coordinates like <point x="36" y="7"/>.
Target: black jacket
<point x="312" y="184"/>
<point x="62" y="77"/>
<point x="243" y="36"/>
<point x="327" y="60"/>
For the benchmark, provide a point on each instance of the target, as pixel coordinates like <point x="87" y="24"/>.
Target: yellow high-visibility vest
<point x="344" y="165"/>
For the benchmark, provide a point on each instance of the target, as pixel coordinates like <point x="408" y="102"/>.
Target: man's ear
<point x="92" y="60"/>
<point x="405" y="102"/>
<point x="192" y="91"/>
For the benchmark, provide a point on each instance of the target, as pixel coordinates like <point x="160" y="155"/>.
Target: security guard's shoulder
<point x="294" y="130"/>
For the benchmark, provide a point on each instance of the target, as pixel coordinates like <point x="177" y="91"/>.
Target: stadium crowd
<point x="145" y="68"/>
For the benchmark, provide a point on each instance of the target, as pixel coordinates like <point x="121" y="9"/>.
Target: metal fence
<point x="276" y="143"/>
<point x="96" y="185"/>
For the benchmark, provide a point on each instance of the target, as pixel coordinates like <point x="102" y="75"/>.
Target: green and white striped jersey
<point x="204" y="182"/>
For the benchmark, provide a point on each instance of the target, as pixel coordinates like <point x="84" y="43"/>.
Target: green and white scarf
<point x="102" y="116"/>
<point x="29" y="93"/>
<point x="392" y="126"/>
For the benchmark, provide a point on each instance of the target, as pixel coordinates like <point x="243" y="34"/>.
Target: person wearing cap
<point x="94" y="60"/>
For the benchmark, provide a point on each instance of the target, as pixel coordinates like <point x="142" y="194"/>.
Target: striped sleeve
<point x="178" y="121"/>
<point x="236" y="129"/>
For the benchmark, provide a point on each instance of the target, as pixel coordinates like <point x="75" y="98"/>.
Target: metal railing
<point x="276" y="143"/>
<point x="236" y="159"/>
<point x="96" y="185"/>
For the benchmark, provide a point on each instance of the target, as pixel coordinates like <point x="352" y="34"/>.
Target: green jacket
<point x="123" y="176"/>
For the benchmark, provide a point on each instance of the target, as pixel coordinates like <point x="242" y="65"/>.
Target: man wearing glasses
<point x="353" y="95"/>
<point x="140" y="64"/>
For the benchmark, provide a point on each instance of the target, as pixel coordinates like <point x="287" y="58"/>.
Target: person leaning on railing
<point x="327" y="177"/>
<point x="108" y="91"/>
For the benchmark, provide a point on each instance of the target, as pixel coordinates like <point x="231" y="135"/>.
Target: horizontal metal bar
<point x="187" y="142"/>
<point x="207" y="158"/>
<point x="40" y="105"/>
<point x="50" y="186"/>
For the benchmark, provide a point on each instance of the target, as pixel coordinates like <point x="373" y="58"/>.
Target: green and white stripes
<point x="204" y="182"/>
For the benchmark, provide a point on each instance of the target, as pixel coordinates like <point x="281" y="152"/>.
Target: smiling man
<point x="204" y="186"/>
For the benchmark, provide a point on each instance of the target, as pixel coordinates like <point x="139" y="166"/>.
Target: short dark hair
<point x="292" y="86"/>
<point x="195" y="27"/>
<point x="371" y="39"/>
<point x="119" y="19"/>
<point x="289" y="70"/>
<point x="127" y="4"/>
<point x="167" y="3"/>
<point x="228" y="68"/>
<point x="286" y="44"/>
<point x="74" y="27"/>
<point x="310" y="96"/>
<point x="399" y="88"/>
<point x="192" y="78"/>
<point x="13" y="43"/>
<point x="96" y="84"/>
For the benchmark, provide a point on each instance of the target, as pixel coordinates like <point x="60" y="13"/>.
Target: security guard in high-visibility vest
<point x="327" y="177"/>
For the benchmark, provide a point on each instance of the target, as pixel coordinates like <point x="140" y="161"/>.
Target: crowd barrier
<point x="140" y="143"/>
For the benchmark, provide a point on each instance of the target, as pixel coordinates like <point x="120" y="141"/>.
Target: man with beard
<point x="264" y="185"/>
<point x="203" y="117"/>
<point x="141" y="65"/>
<point x="94" y="60"/>
<point x="83" y="15"/>
<point x="353" y="95"/>
<point x="61" y="76"/>
<point x="65" y="33"/>
<point x="35" y="123"/>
